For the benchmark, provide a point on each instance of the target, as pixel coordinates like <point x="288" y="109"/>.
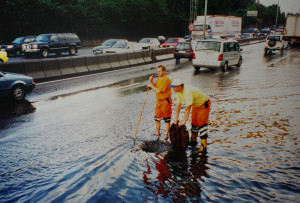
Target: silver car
<point x="217" y="53"/>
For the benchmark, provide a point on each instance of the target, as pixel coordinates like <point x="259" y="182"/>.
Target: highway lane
<point x="85" y="51"/>
<point x="72" y="140"/>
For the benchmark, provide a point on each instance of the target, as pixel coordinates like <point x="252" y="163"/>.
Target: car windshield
<point x="145" y="41"/>
<point x="120" y="45"/>
<point x="42" y="38"/>
<point x="208" y="45"/>
<point x="183" y="46"/>
<point x="172" y="40"/>
<point x="109" y="43"/>
<point x="245" y="35"/>
<point x="276" y="38"/>
<point x="18" y="40"/>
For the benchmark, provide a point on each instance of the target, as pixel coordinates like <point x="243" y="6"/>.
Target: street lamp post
<point x="277" y="14"/>
<point x="205" y="12"/>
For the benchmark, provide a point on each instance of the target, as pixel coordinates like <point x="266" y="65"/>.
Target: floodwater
<point x="79" y="147"/>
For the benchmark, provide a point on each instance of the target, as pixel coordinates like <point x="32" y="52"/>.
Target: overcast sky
<point x="292" y="6"/>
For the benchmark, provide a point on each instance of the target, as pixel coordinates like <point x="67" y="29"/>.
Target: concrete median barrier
<point x="123" y="59"/>
<point x="103" y="62"/>
<point x="34" y="68"/>
<point x="162" y="54"/>
<point x="139" y="57"/>
<point x="14" y="68"/>
<point x="51" y="68"/>
<point x="131" y="58"/>
<point x="79" y="64"/>
<point x="92" y="63"/>
<point x="114" y="60"/>
<point x="66" y="66"/>
<point x="147" y="56"/>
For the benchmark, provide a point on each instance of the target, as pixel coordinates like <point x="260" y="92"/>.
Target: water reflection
<point x="176" y="175"/>
<point x="10" y="109"/>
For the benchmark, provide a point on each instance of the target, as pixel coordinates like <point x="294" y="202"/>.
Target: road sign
<point x="191" y="27"/>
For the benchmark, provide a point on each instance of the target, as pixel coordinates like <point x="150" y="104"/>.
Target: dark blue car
<point x="16" y="46"/>
<point x="15" y="85"/>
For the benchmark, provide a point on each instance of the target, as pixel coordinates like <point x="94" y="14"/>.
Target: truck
<point x="216" y="25"/>
<point x="292" y="29"/>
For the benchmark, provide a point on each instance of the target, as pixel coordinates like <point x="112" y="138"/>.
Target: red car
<point x="171" y="42"/>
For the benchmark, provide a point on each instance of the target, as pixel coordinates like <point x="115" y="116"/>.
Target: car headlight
<point x="10" y="46"/>
<point x="35" y="46"/>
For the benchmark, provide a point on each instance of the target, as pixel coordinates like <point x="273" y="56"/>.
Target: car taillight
<point x="220" y="58"/>
<point x="280" y="41"/>
<point x="191" y="52"/>
<point x="194" y="56"/>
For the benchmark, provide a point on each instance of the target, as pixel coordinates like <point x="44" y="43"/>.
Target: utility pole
<point x="277" y="14"/>
<point x="205" y="12"/>
<point x="193" y="11"/>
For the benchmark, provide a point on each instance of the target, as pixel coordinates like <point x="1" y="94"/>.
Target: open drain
<point x="155" y="146"/>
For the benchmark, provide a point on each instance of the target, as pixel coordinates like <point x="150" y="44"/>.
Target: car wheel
<point x="239" y="63"/>
<point x="44" y="52"/>
<point x="266" y="52"/>
<point x="177" y="59"/>
<point x="197" y="68"/>
<point x="18" y="53"/>
<point x="18" y="93"/>
<point x="281" y="51"/>
<point x="72" y="51"/>
<point x="225" y="67"/>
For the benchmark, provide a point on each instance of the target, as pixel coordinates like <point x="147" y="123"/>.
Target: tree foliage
<point x="132" y="19"/>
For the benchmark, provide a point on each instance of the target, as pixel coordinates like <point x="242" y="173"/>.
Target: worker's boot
<point x="203" y="145"/>
<point x="193" y="141"/>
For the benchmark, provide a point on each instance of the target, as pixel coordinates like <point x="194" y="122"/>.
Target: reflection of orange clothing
<point x="163" y="99"/>
<point x="200" y="115"/>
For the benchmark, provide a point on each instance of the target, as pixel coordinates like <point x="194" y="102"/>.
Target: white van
<point x="217" y="53"/>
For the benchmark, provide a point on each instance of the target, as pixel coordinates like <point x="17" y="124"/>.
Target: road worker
<point x="197" y="102"/>
<point x="163" y="99"/>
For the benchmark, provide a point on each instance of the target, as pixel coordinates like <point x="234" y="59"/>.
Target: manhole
<point x="155" y="146"/>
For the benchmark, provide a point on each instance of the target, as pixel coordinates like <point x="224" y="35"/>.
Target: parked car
<point x="172" y="42"/>
<point x="246" y="35"/>
<point x="253" y="31"/>
<point x="161" y="39"/>
<point x="217" y="53"/>
<point x="273" y="27"/>
<point x="264" y="32"/>
<point x="183" y="50"/>
<point x="187" y="38"/>
<point x="280" y="29"/>
<point x="16" y="46"/>
<point x="15" y="85"/>
<point x="233" y="36"/>
<point x="122" y="47"/>
<point x="149" y="43"/>
<point x="106" y="44"/>
<point x="275" y="43"/>
<point x="53" y="43"/>
<point x="3" y="56"/>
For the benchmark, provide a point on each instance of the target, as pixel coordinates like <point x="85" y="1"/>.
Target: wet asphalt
<point x="72" y="140"/>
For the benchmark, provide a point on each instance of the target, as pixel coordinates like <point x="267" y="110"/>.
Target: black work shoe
<point x="193" y="143"/>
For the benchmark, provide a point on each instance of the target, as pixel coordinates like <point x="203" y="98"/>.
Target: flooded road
<point x="72" y="140"/>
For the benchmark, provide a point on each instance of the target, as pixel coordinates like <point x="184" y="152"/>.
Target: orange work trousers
<point x="200" y="115"/>
<point x="163" y="108"/>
